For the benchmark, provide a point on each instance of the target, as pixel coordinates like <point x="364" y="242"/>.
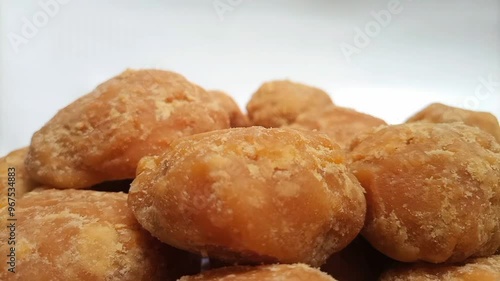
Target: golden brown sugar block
<point x="13" y="177"/>
<point x="251" y="195"/>
<point x="339" y="123"/>
<point x="85" y="235"/>
<point x="440" y="113"/>
<point x="432" y="191"/>
<point x="103" y="135"/>
<point x="236" y="117"/>
<point x="480" y="269"/>
<point x="278" y="272"/>
<point x="279" y="103"/>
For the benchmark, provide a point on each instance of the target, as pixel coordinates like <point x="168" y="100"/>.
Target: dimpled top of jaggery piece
<point x="236" y="117"/>
<point x="251" y="195"/>
<point x="339" y="123"/>
<point x="278" y="103"/>
<point x="440" y="113"/>
<point x="21" y="182"/>
<point x="433" y="191"/>
<point x="85" y="235"/>
<point x="480" y="269"/>
<point x="101" y="136"/>
<point x="278" y="272"/>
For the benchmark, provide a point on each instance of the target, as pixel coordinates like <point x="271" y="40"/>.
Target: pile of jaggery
<point x="151" y="177"/>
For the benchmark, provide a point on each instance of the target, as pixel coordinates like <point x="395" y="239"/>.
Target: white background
<point x="430" y="51"/>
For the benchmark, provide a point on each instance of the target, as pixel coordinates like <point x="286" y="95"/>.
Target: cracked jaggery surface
<point x="236" y="117"/>
<point x="433" y="191"/>
<point x="440" y="113"/>
<point x="102" y="136"/>
<point x="251" y="195"/>
<point x="479" y="269"/>
<point x="341" y="124"/>
<point x="279" y="272"/>
<point x="23" y="183"/>
<point x="279" y="103"/>
<point x="86" y="235"/>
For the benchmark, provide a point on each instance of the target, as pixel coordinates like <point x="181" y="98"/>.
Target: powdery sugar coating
<point x="283" y="272"/>
<point x="339" y="123"/>
<point x="440" y="113"/>
<point x="85" y="235"/>
<point x="236" y="117"/>
<point x="102" y="136"/>
<point x="251" y="195"/>
<point x="279" y="103"/>
<point x="481" y="269"/>
<point x="23" y="183"/>
<point x="433" y="191"/>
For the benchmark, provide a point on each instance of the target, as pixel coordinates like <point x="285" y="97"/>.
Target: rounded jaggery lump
<point x="479" y="269"/>
<point x="441" y="113"/>
<point x="432" y="191"/>
<point x="103" y="135"/>
<point x="339" y="123"/>
<point x="85" y="235"/>
<point x="236" y="117"/>
<point x="20" y="182"/>
<point x="278" y="272"/>
<point x="251" y="195"/>
<point x="279" y="103"/>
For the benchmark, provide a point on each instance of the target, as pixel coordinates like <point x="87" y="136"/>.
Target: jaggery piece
<point x="85" y="235"/>
<point x="480" y="269"/>
<point x="236" y="117"/>
<point x="440" y="113"/>
<point x="341" y="124"/>
<point x="20" y="181"/>
<point x="432" y="191"/>
<point x="279" y="103"/>
<point x="103" y="135"/>
<point x="288" y="272"/>
<point x="251" y="195"/>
